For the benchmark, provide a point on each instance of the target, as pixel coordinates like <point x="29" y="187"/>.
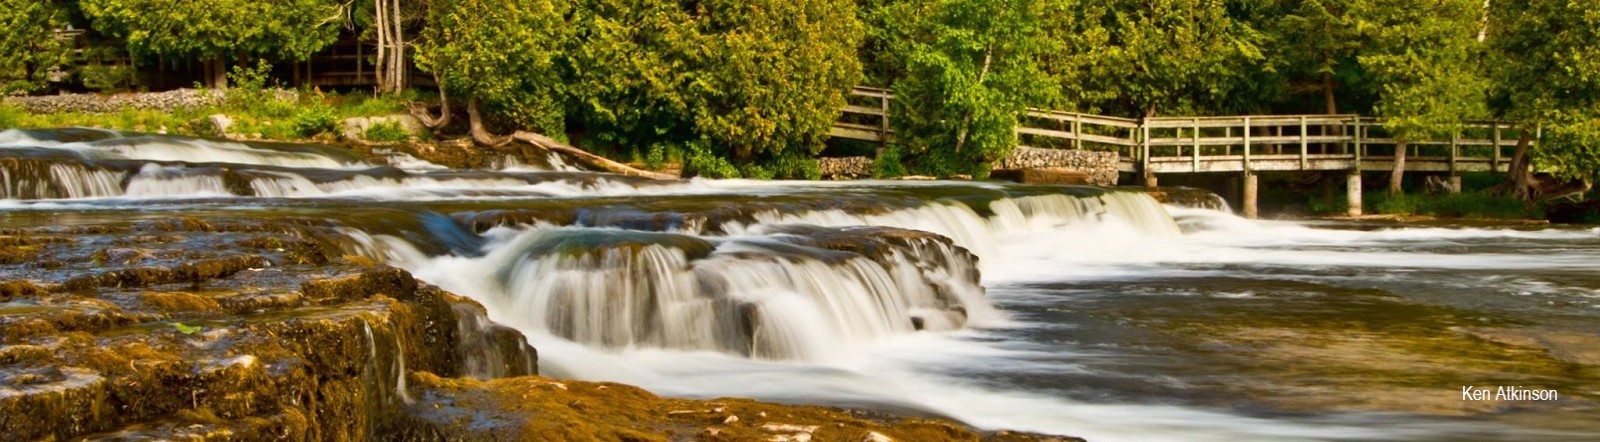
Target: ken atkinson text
<point x="1468" y="393"/>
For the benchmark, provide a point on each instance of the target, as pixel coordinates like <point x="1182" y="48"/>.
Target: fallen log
<point x="584" y="157"/>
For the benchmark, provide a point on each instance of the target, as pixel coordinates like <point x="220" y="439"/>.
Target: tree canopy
<point x="971" y="68"/>
<point x="219" y="30"/>
<point x="1544" y="63"/>
<point x="752" y="87"/>
<point x="29" y="47"/>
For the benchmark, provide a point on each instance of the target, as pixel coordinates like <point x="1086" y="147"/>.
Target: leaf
<point x="186" y="329"/>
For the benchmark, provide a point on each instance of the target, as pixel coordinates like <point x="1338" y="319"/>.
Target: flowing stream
<point x="1081" y="311"/>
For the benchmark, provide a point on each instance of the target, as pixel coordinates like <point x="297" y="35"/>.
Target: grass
<point x="256" y="112"/>
<point x="1461" y="205"/>
<point x="1477" y="205"/>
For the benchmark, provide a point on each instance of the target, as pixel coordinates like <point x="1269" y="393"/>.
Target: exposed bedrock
<point x="193" y="330"/>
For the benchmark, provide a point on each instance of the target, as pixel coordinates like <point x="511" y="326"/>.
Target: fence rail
<point x="1227" y="143"/>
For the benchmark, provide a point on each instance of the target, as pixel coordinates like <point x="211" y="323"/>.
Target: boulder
<point x="355" y="129"/>
<point x="221" y="123"/>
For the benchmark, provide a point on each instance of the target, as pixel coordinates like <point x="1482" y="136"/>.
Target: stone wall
<point x="1100" y="166"/>
<point x="845" y="168"/>
<point x="98" y="103"/>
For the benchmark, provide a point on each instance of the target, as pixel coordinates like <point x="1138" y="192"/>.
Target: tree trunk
<point x="397" y="68"/>
<point x="480" y="134"/>
<point x="444" y="109"/>
<point x="1519" y="176"/>
<point x="219" y="73"/>
<point x="966" y="121"/>
<point x="1327" y="93"/>
<point x="1397" y="176"/>
<point x="381" y="62"/>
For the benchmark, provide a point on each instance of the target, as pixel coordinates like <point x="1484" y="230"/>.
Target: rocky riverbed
<point x="207" y="329"/>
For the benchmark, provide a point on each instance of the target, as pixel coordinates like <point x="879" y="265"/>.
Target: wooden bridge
<point x="1240" y="144"/>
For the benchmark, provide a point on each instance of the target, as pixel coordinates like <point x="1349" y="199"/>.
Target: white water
<point x="834" y="342"/>
<point x="1031" y="239"/>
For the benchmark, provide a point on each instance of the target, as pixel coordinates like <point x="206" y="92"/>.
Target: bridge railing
<point x="1197" y="144"/>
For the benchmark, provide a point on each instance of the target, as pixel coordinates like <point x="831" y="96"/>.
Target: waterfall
<point x="28" y="179"/>
<point x="772" y="297"/>
<point x="975" y="232"/>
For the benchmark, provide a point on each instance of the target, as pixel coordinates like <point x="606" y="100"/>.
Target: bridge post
<point x="1249" y="197"/>
<point x="1455" y="151"/>
<point x="1353" y="192"/>
<point x="1144" y="155"/>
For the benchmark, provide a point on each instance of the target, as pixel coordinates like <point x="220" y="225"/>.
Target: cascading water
<point x="776" y="297"/>
<point x="1067" y="310"/>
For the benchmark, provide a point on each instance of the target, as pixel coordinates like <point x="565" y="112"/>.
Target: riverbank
<point x="241" y="329"/>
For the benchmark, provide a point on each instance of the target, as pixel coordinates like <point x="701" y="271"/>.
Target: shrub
<point x="701" y="162"/>
<point x="888" y="164"/>
<point x="11" y="116"/>
<point x="108" y="78"/>
<point x="314" y="120"/>
<point x="1462" y="205"/>
<point x="386" y="132"/>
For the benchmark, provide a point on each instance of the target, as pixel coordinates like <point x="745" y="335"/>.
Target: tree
<point x="1544" y="60"/>
<point x="971" y="70"/>
<point x="215" y="31"/>
<point x="386" y="22"/>
<point x="758" y="83"/>
<point x="1164" y="56"/>
<point x="1320" y="40"/>
<point x="1425" y="61"/>
<point x="29" y="47"/>
<point x="502" y="56"/>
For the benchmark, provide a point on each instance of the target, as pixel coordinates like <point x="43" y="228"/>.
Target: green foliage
<point x="108" y="77"/>
<point x="503" y="54"/>
<point x="216" y="29"/>
<point x="315" y="120"/>
<point x="28" y="46"/>
<point x="1544" y="58"/>
<point x="1424" y="61"/>
<point x="11" y="116"/>
<point x="888" y="164"/>
<point x="386" y="132"/>
<point x="971" y="70"/>
<point x="751" y="81"/>
<point x="1462" y="205"/>
<point x="1140" y="58"/>
<point x="702" y="163"/>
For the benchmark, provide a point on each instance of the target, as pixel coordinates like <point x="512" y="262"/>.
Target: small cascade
<point x="30" y="179"/>
<point x="489" y="350"/>
<point x="155" y="180"/>
<point x="790" y="295"/>
<point x="178" y="149"/>
<point x="969" y="229"/>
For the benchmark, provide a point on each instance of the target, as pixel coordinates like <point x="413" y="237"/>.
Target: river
<point x="1100" y="314"/>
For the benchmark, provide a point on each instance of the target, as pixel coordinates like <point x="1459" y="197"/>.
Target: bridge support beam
<point x="1150" y="181"/>
<point x="1249" y="195"/>
<point x="1353" y="193"/>
<point x="1455" y="184"/>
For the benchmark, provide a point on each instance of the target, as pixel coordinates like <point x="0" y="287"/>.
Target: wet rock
<point x="529" y="408"/>
<point x="262" y="352"/>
